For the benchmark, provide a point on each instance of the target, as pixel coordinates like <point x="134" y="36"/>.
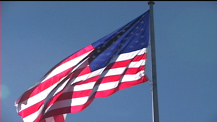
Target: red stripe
<point x="99" y="94"/>
<point x="79" y="53"/>
<point x="63" y="95"/>
<point x="38" y="119"/>
<point x="43" y="86"/>
<point x="77" y="94"/>
<point x="105" y="93"/>
<point x="84" y="93"/>
<point x="122" y="85"/>
<point x="68" y="109"/>
<point x="59" y="118"/>
<point x="131" y="71"/>
<point x="80" y="72"/>
<point x="140" y="57"/>
<point x="125" y="62"/>
<point x="30" y="109"/>
<point x="46" y="84"/>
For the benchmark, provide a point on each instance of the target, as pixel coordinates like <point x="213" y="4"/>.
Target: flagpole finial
<point x="150" y="3"/>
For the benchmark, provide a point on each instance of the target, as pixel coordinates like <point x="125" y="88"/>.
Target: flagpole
<point x="153" y="67"/>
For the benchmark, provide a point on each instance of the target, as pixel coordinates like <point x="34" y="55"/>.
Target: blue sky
<point x="38" y="35"/>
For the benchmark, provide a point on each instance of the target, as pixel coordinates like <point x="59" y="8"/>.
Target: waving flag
<point x="112" y="63"/>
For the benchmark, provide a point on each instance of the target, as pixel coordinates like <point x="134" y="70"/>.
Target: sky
<point x="35" y="36"/>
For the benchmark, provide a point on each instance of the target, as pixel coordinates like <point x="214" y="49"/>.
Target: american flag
<point x="112" y="63"/>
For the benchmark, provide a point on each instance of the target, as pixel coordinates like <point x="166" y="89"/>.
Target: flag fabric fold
<point x="114" y="62"/>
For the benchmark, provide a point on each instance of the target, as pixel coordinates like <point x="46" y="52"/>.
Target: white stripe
<point x="33" y="116"/>
<point x="37" y="98"/>
<point x="61" y="87"/>
<point x="66" y="103"/>
<point x="99" y="71"/>
<point x="115" y="71"/>
<point x="137" y="64"/>
<point x="127" y="78"/>
<point x="107" y="86"/>
<point x="66" y="66"/>
<point x="84" y="86"/>
<point x="130" y="55"/>
<point x="90" y="85"/>
<point x="87" y="76"/>
<point x="50" y="119"/>
<point x="64" y="116"/>
<point x="102" y="87"/>
<point x="142" y="51"/>
<point x="95" y="73"/>
<point x="42" y="95"/>
<point x="112" y="85"/>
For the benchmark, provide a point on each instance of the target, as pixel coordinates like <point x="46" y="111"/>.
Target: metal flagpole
<point x="153" y="67"/>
